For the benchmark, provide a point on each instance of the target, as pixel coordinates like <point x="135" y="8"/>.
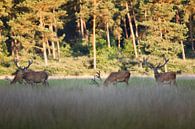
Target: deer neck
<point x="156" y="73"/>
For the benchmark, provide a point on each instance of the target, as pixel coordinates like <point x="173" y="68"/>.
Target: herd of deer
<point x="123" y="76"/>
<point x="24" y="75"/>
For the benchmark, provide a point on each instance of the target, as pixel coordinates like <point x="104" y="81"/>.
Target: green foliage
<point x="25" y="25"/>
<point x="107" y="58"/>
<point x="128" y="49"/>
<point x="80" y="50"/>
<point x="162" y="36"/>
<point x="66" y="51"/>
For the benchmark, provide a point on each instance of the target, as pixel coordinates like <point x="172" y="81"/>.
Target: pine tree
<point x="5" y="9"/>
<point x="106" y="11"/>
<point x="162" y="35"/>
<point x="190" y="14"/>
<point x="38" y="23"/>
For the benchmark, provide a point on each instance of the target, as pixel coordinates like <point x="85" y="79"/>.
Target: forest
<point x="78" y="37"/>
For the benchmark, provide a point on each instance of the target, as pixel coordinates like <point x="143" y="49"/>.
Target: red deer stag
<point x="120" y="76"/>
<point x="29" y="76"/>
<point x="165" y="77"/>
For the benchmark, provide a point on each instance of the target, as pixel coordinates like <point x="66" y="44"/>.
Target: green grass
<point x="78" y="104"/>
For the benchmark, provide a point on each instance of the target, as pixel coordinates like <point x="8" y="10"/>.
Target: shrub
<point x="66" y="51"/>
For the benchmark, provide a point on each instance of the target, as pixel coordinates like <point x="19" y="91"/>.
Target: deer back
<point x="117" y="77"/>
<point x="36" y="76"/>
<point x="167" y="76"/>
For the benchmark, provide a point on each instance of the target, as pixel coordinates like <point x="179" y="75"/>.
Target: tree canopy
<point x="53" y="30"/>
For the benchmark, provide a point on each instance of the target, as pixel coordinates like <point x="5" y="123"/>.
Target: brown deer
<point x="164" y="77"/>
<point x="30" y="76"/>
<point x="120" y="76"/>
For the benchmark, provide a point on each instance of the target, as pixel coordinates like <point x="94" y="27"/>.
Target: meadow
<point x="80" y="104"/>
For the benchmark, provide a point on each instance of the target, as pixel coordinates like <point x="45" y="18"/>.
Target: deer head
<point x="155" y="68"/>
<point x="19" y="73"/>
<point x="164" y="77"/>
<point x="98" y="76"/>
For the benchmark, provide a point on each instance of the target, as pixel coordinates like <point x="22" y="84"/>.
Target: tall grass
<point x="76" y="104"/>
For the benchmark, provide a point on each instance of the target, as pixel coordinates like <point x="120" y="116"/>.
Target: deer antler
<point x="29" y="63"/>
<point x="98" y="75"/>
<point x="150" y="65"/>
<point x="162" y="65"/>
<point x="17" y="64"/>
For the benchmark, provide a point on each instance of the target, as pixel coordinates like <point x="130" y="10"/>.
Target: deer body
<point x="30" y="76"/>
<point x="165" y="77"/>
<point x="114" y="77"/>
<point x="36" y="77"/>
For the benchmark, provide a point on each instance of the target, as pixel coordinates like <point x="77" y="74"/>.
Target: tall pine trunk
<point x="125" y="28"/>
<point x="119" y="40"/>
<point x="53" y="50"/>
<point x="58" y="51"/>
<point x="135" y="21"/>
<point x="48" y="48"/>
<point x="44" y="52"/>
<point x="52" y="42"/>
<point x="85" y="32"/>
<point x="82" y="28"/>
<point x="183" y="51"/>
<point x="43" y="41"/>
<point x="132" y="31"/>
<point x="177" y="17"/>
<point x="58" y="44"/>
<point x="108" y="35"/>
<point x="94" y="38"/>
<point x="191" y="33"/>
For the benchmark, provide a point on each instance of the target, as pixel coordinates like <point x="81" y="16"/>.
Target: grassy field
<point x="80" y="104"/>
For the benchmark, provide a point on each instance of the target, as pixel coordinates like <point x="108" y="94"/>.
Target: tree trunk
<point x="191" y="33"/>
<point x="52" y="42"/>
<point x="44" y="52"/>
<point x="86" y="36"/>
<point x="53" y="50"/>
<point x="58" y="44"/>
<point x="125" y="27"/>
<point x="119" y="41"/>
<point x="177" y="17"/>
<point x="13" y="48"/>
<point x="135" y="21"/>
<point x="43" y="40"/>
<point x="58" y="50"/>
<point x="48" y="48"/>
<point x="108" y="35"/>
<point x="94" y="39"/>
<point x="132" y="32"/>
<point x="183" y="51"/>
<point x="82" y="27"/>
